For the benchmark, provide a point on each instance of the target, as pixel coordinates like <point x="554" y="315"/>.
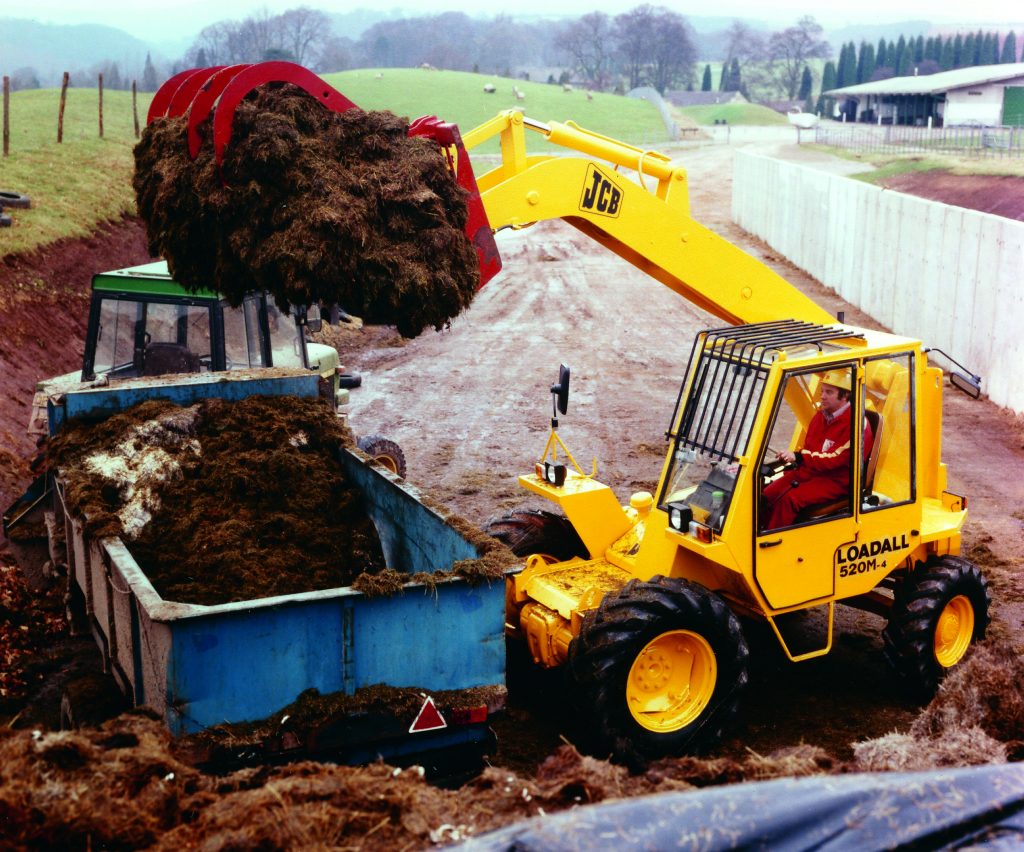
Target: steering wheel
<point x="774" y="467"/>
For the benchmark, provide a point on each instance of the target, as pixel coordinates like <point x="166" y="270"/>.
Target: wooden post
<point x="7" y="114"/>
<point x="101" y="104"/>
<point x="63" y="100"/>
<point x="135" y="107"/>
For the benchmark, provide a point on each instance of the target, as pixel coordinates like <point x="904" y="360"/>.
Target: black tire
<point x="526" y="532"/>
<point x="5" y="220"/>
<point x="641" y="622"/>
<point x="382" y="450"/>
<point x="948" y="584"/>
<point x="14" y="200"/>
<point x="349" y="380"/>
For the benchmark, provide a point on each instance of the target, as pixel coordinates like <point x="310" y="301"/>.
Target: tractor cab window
<point x="242" y="335"/>
<point x="137" y="337"/>
<point x="286" y="342"/>
<point x="807" y="470"/>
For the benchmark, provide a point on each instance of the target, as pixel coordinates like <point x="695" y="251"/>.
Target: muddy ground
<point x="470" y="407"/>
<point x="1001" y="195"/>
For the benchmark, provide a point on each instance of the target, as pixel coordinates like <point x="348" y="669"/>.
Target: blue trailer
<point x="200" y="667"/>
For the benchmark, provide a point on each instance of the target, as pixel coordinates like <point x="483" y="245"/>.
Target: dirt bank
<point x="1001" y="195"/>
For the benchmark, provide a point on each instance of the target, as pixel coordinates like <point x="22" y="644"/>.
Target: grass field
<point x="884" y="166"/>
<point x="75" y="185"/>
<point x="87" y="180"/>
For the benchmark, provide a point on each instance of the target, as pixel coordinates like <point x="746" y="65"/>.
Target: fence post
<point x="135" y="107"/>
<point x="63" y="100"/>
<point x="101" y="104"/>
<point x="7" y="114"/>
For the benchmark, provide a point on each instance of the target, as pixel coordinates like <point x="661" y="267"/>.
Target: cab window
<point x="807" y="474"/>
<point x="888" y="398"/>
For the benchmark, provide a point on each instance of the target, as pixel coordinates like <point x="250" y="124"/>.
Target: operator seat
<point x="162" y="358"/>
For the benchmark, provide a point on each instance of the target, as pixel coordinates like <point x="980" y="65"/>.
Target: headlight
<point x="554" y="474"/>
<point x="679" y="516"/>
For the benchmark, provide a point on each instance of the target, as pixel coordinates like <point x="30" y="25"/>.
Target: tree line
<point x="645" y="46"/>
<point x="918" y="55"/>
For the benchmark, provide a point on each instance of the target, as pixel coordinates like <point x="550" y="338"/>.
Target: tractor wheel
<point x="388" y="453"/>
<point x="349" y="381"/>
<point x="5" y="220"/>
<point x="527" y="532"/>
<point x="939" y="610"/>
<point x="14" y="200"/>
<point x="659" y="667"/>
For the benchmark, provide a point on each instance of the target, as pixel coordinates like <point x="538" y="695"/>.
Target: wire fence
<point x="961" y="141"/>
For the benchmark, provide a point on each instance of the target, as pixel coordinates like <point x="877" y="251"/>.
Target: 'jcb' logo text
<point x="600" y="194"/>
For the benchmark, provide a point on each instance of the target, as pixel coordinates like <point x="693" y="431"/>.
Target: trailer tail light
<point x="469" y="715"/>
<point x="701" y="532"/>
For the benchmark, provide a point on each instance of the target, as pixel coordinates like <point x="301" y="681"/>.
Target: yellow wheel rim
<point x="671" y="681"/>
<point x="387" y="461"/>
<point x="953" y="631"/>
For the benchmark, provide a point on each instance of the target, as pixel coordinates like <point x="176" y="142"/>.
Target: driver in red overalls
<point x="822" y="467"/>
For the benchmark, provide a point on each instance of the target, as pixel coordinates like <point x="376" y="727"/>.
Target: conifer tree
<point x="1009" y="53"/>
<point x="806" y="84"/>
<point x="705" y="85"/>
<point x="148" y="76"/>
<point x="828" y="82"/>
<point x="865" y="62"/>
<point x="947" y="59"/>
<point x="958" y="51"/>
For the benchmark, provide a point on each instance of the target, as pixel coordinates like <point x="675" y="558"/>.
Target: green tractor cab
<point x="143" y="323"/>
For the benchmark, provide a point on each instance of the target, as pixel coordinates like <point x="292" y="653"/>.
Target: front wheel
<point x="659" y="667"/>
<point x="938" y="611"/>
<point x="527" y="532"/>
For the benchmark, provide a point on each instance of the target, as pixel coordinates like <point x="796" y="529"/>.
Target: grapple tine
<point x="158" y="106"/>
<point x="182" y="98"/>
<point x="478" y="228"/>
<point x="203" y="102"/>
<point x="268" y="72"/>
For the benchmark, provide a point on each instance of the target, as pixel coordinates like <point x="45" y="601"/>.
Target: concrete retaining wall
<point x="952" y="277"/>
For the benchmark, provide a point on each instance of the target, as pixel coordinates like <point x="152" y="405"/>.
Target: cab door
<point x="795" y="544"/>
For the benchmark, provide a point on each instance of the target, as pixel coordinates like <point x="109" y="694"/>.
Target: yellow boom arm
<point x="644" y="219"/>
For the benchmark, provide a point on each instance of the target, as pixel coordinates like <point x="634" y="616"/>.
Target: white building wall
<point x="984" y="106"/>
<point x="946" y="275"/>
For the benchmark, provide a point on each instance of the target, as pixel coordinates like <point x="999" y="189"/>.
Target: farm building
<point x="988" y="95"/>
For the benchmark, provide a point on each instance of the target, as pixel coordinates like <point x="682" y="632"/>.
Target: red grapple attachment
<point x="196" y="90"/>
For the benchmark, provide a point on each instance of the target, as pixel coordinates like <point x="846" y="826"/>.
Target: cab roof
<point x="150" y="279"/>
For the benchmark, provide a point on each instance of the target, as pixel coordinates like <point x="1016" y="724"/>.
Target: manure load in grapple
<point x="313" y="206"/>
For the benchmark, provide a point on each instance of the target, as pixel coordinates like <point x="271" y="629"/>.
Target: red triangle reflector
<point x="428" y="719"/>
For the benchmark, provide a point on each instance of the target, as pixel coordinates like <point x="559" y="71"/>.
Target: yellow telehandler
<point x="641" y="602"/>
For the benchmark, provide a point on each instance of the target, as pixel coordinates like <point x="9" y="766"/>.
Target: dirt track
<point x="471" y="409"/>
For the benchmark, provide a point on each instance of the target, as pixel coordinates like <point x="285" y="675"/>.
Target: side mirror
<point x="309" y="316"/>
<point x="970" y="385"/>
<point x="561" y="390"/>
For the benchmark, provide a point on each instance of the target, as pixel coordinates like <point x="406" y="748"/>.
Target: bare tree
<point x="335" y="55"/>
<point x="789" y="50"/>
<point x="635" y="31"/>
<point x="743" y="45"/>
<point x="587" y="40"/>
<point x="304" y="32"/>
<point x="672" y="52"/>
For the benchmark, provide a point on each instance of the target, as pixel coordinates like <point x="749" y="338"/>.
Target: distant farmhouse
<point x="988" y="95"/>
<point x="683" y="98"/>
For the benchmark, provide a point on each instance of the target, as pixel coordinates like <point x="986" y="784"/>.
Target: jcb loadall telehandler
<point x="642" y="602"/>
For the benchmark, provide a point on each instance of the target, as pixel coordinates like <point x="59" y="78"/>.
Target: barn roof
<point x="934" y="84"/>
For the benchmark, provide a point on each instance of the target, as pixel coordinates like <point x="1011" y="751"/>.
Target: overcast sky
<point x="162" y="20"/>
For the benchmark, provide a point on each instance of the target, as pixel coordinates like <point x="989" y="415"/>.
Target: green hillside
<point x="460" y="97"/>
<point x="75" y="185"/>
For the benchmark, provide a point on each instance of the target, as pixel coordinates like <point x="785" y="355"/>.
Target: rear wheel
<point x="527" y="532"/>
<point x="660" y="667"/>
<point x="382" y="450"/>
<point x="938" y="611"/>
